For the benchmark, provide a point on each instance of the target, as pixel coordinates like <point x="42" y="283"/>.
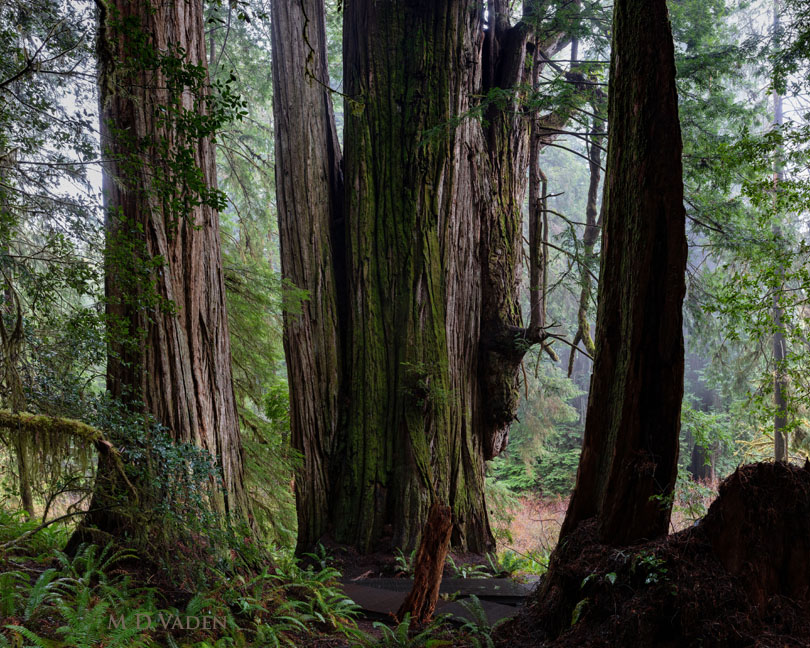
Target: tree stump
<point x="759" y="527"/>
<point x="428" y="565"/>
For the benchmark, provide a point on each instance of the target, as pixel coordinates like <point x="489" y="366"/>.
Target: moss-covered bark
<point x="629" y="459"/>
<point x="430" y="336"/>
<point x="403" y="427"/>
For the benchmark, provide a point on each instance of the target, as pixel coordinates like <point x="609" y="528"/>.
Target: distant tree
<point x="628" y="465"/>
<point x="778" y="341"/>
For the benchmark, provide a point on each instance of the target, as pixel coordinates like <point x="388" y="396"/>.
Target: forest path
<point x="500" y="597"/>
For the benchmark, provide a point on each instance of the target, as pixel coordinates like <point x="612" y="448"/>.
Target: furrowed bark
<point x="169" y="348"/>
<point x="309" y="186"/>
<point x="429" y="337"/>
<point x="410" y="246"/>
<point x="628" y="464"/>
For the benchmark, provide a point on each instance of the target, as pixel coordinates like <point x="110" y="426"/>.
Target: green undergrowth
<point x="441" y="632"/>
<point x="97" y="598"/>
<point x="504" y="564"/>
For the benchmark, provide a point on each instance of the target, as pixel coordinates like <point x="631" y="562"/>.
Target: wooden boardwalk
<point x="500" y="597"/>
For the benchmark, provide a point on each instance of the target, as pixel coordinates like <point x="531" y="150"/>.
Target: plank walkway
<point x="500" y="597"/>
<point x="490" y="587"/>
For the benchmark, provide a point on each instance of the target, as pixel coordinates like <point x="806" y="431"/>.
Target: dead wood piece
<point x="428" y="565"/>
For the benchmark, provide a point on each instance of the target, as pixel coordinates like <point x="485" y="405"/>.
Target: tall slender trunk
<point x="169" y="352"/>
<point x="309" y="195"/>
<point x="779" y="344"/>
<point x="628" y="465"/>
<point x="589" y="239"/>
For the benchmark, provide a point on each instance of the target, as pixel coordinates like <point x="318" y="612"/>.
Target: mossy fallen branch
<point x="51" y="425"/>
<point x="57" y="426"/>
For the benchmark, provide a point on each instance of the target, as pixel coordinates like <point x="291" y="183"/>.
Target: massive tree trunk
<point x="422" y="282"/>
<point x="628" y="464"/>
<point x="412" y="235"/>
<point x="169" y="352"/>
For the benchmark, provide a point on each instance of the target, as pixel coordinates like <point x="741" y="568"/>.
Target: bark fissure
<point x="169" y="349"/>
<point x="432" y="337"/>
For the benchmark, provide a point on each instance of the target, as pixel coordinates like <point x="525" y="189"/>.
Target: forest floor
<point x="529" y="529"/>
<point x="739" y="578"/>
<point x="533" y="524"/>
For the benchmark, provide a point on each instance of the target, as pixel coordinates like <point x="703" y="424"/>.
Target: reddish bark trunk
<point x="429" y="564"/>
<point x="309" y="187"/>
<point x="629" y="458"/>
<point x="169" y="348"/>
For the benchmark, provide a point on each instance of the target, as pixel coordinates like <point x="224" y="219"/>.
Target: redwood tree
<point x="169" y="351"/>
<point x="309" y="186"/>
<point x="628" y="465"/>
<point x="403" y="361"/>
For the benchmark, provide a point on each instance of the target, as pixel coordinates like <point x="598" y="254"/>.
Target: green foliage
<point x="256" y="294"/>
<point x="39" y="546"/>
<point x="314" y="594"/>
<point x="510" y="562"/>
<point x="11" y="584"/>
<point x="174" y="482"/>
<point x="191" y="109"/>
<point x="403" y="635"/>
<point x="464" y="570"/>
<point x="477" y="626"/>
<point x="269" y="608"/>
<point x="49" y="235"/>
<point x="691" y="497"/>
<point x="544" y="443"/>
<point x="579" y="609"/>
<point x="82" y="592"/>
<point x="649" y="566"/>
<point x="404" y="564"/>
